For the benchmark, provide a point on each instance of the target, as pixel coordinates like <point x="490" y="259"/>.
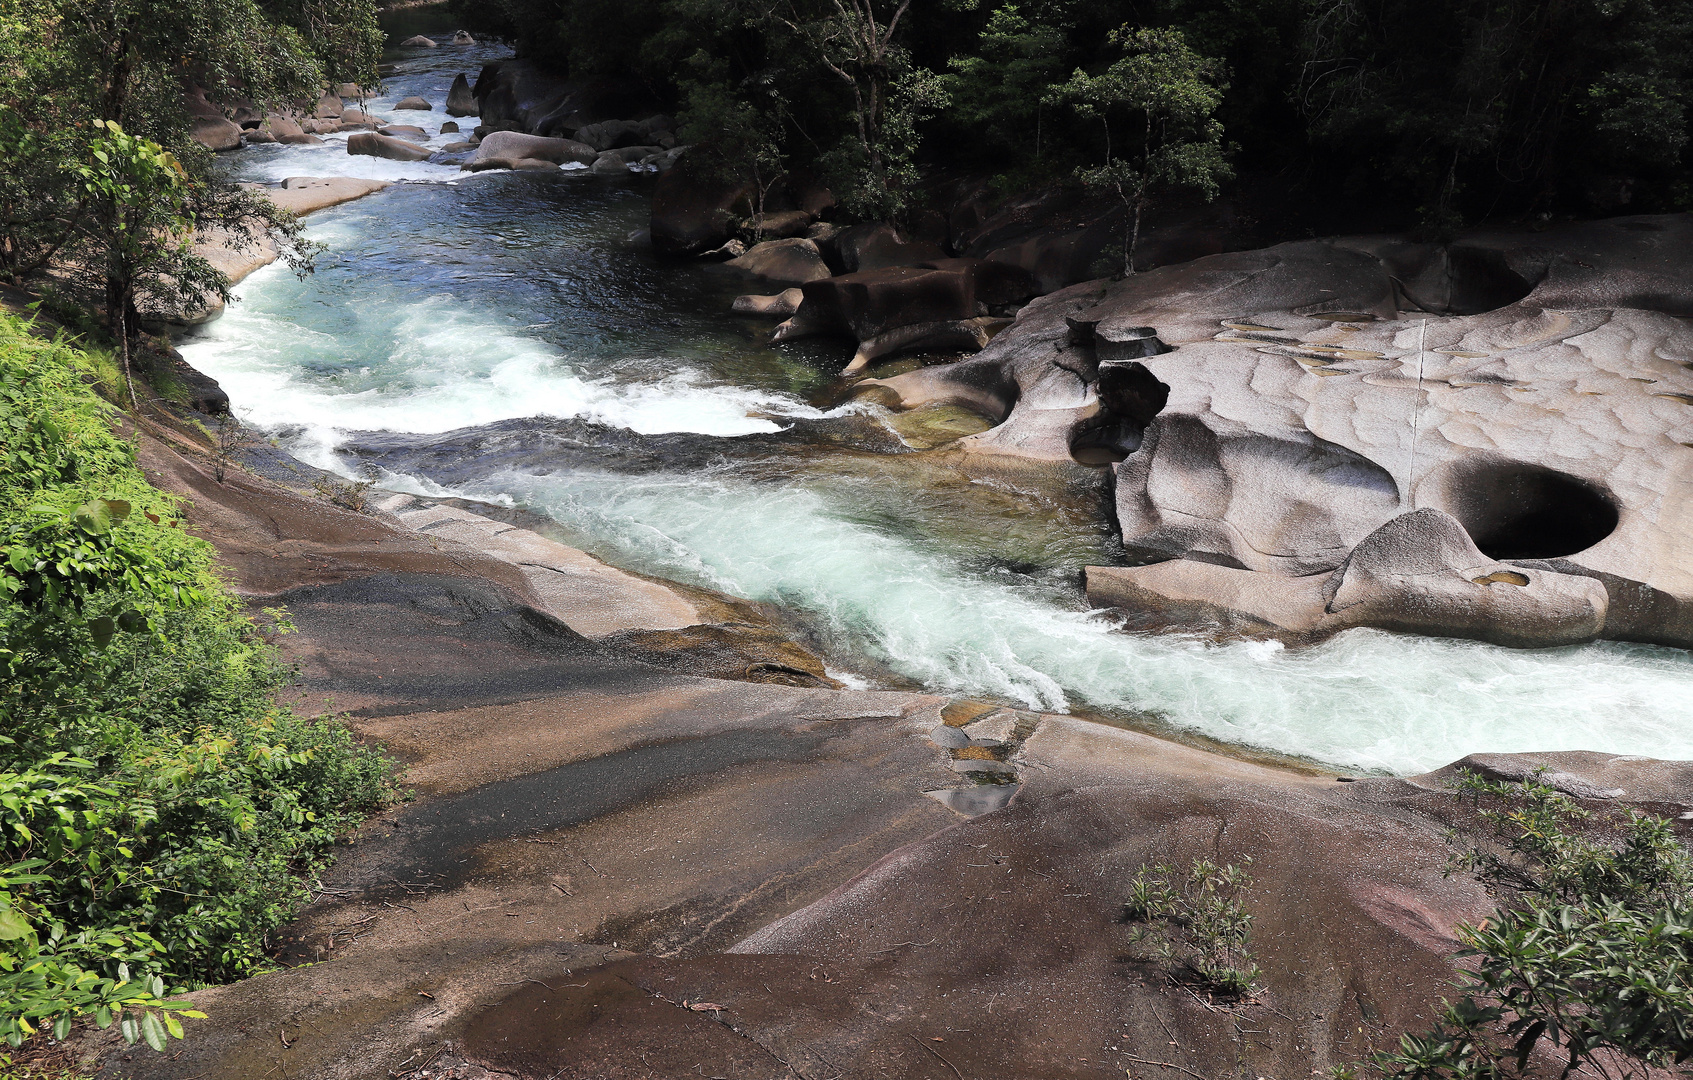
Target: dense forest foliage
<point x="1433" y="113"/>
<point x="100" y="181"/>
<point x="159" y="814"/>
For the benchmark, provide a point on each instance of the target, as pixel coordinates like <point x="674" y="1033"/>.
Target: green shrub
<point x="1198" y="921"/>
<point x="159" y="814"/>
<point x="1590" y="952"/>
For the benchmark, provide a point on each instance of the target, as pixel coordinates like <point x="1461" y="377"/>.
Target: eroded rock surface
<point x="1491" y="439"/>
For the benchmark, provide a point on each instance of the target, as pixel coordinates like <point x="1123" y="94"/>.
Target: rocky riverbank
<point x="617" y="870"/>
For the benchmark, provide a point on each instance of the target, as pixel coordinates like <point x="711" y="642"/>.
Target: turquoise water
<point x="501" y="336"/>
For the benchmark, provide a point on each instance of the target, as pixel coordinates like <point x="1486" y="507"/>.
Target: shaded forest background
<point x="1337" y="114"/>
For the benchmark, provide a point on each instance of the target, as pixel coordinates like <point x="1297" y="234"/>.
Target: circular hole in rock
<point x="1519" y="511"/>
<point x="1129" y="397"/>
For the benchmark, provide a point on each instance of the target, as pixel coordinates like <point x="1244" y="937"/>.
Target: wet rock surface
<point x="614" y="870"/>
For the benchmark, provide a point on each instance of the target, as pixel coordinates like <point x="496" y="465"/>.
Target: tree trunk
<point x="118" y="300"/>
<point x="1134" y="238"/>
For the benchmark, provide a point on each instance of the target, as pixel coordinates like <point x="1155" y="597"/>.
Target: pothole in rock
<point x="1129" y="397"/>
<point x="1515" y="510"/>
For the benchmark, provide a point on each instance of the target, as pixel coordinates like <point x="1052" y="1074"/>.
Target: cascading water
<point x="516" y="306"/>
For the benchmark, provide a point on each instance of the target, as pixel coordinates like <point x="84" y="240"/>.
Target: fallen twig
<point x="428" y="1061"/>
<point x="1166" y="1027"/>
<point x="1167" y="1065"/>
<point x="944" y="1061"/>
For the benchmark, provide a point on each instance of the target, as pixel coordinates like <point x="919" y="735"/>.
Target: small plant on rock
<point x="232" y="440"/>
<point x="1198" y="921"/>
<point x="352" y="496"/>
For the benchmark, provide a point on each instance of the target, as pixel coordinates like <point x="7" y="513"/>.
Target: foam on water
<point x="1366" y="700"/>
<point x="494" y="300"/>
<point x="434" y="365"/>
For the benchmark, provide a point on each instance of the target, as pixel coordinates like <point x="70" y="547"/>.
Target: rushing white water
<point x="474" y="299"/>
<point x="1366" y="700"/>
<point x="434" y="364"/>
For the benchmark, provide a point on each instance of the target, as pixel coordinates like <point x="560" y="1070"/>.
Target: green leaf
<point x="103" y="628"/>
<point x="14" y="926"/>
<point x="152" y="1030"/>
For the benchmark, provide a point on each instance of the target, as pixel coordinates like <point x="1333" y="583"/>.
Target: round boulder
<point x="500" y="148"/>
<point x="781" y="224"/>
<point x="328" y="107"/>
<point x="692" y="215"/>
<point x="418" y="42"/>
<point x="414" y="104"/>
<point x="449" y="128"/>
<point x="785" y="262"/>
<point x="370" y="144"/>
<point x="463" y="38"/>
<point x="215" y="133"/>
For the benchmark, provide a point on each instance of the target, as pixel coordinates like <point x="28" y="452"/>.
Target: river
<point x="504" y="337"/>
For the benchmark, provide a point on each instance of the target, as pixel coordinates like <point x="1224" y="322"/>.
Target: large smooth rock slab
<point x="1312" y="393"/>
<point x="592" y="598"/>
<point x="782" y="262"/>
<point x="237" y="256"/>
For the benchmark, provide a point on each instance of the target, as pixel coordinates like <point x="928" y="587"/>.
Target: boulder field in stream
<point x="1491" y="439"/>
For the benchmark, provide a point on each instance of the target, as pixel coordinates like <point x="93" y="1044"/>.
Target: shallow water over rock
<point x="500" y="336"/>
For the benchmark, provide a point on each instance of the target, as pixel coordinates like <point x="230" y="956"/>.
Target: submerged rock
<point x="418" y="41"/>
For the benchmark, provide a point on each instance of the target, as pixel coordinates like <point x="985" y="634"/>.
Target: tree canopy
<point x="1386" y="113"/>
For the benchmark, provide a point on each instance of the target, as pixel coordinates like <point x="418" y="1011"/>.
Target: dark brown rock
<point x="873" y="302"/>
<point x="370" y="144"/>
<point x="874" y="247"/>
<point x="782" y="262"/>
<point x="460" y="101"/>
<point x="691" y="215"/>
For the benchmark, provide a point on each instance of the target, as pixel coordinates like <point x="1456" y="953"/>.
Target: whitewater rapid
<point x="454" y="301"/>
